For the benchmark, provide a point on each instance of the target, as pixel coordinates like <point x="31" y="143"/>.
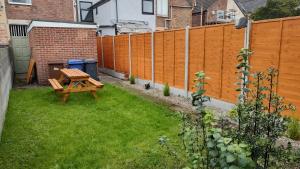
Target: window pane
<point x="21" y="1"/>
<point x="159" y="7"/>
<point x="85" y="5"/>
<point x="84" y="14"/>
<point x="162" y="8"/>
<point x="148" y="6"/>
<point x="165" y="8"/>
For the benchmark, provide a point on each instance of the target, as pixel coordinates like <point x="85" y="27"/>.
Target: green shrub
<point x="166" y="90"/>
<point x="132" y="79"/>
<point x="233" y="114"/>
<point x="294" y="129"/>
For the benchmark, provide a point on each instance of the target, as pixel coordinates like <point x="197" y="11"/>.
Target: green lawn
<point x="119" y="130"/>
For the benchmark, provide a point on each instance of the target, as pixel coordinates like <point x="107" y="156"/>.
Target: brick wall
<point x="181" y="15"/>
<point x="4" y="36"/>
<point x="59" y="45"/>
<point x="5" y="83"/>
<point x="56" y="10"/>
<point x="218" y="5"/>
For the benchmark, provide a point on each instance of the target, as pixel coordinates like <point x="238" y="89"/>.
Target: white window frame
<point x="19" y="3"/>
<point x="159" y="13"/>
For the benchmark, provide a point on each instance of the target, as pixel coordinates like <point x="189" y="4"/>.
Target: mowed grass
<point x="119" y="130"/>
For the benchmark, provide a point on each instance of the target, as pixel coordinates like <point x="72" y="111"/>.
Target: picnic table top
<point x="74" y="73"/>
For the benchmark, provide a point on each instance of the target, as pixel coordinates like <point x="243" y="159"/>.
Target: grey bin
<point x="91" y="68"/>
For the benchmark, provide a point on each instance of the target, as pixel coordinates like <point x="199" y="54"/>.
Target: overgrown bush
<point x="166" y="90"/>
<point x="294" y="129"/>
<point x="132" y="79"/>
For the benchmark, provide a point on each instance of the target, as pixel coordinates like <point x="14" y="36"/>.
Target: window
<point x="86" y="15"/>
<point x="163" y="8"/>
<point x="20" y="2"/>
<point x="148" y="7"/>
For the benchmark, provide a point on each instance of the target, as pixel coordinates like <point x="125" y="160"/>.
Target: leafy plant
<point x="294" y="129"/>
<point x="243" y="69"/>
<point x="277" y="9"/>
<point x="203" y="142"/>
<point x="259" y="112"/>
<point x="166" y="90"/>
<point x="132" y="79"/>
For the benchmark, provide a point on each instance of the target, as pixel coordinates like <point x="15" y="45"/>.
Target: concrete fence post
<point x="129" y="54"/>
<point x="153" y="61"/>
<point x="186" y="67"/>
<point x="114" y="53"/>
<point x="102" y="52"/>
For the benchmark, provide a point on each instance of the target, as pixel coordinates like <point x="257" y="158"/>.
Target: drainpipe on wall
<point x="117" y="17"/>
<point x="117" y="11"/>
<point x="75" y="8"/>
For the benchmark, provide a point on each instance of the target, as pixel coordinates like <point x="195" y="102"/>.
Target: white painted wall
<point x="127" y="10"/>
<point x="232" y="5"/>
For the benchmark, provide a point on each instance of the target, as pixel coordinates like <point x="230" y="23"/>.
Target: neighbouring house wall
<point x="4" y="33"/>
<point x="180" y="15"/>
<point x="5" y="83"/>
<point x="127" y="10"/>
<point x="231" y="5"/>
<point x="63" y="44"/>
<point x="218" y="5"/>
<point x="55" y="10"/>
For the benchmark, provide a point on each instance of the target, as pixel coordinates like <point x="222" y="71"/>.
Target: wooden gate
<point x="20" y="48"/>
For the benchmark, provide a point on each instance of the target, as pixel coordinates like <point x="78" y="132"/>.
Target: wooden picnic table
<point x="79" y="82"/>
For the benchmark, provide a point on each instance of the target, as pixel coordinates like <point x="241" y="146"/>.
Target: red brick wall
<point x="59" y="45"/>
<point x="181" y="15"/>
<point x="218" y="5"/>
<point x="52" y="10"/>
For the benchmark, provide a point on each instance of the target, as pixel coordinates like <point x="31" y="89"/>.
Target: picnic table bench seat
<point x="79" y="82"/>
<point x="56" y="85"/>
<point x="96" y="83"/>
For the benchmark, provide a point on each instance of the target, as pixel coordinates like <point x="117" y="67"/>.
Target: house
<point x="20" y="13"/>
<point x="209" y="12"/>
<point x="120" y="16"/>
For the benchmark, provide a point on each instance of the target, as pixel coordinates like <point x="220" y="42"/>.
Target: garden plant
<point x="252" y="143"/>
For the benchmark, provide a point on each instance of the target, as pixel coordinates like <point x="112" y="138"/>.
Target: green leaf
<point x="230" y="158"/>
<point x="234" y="167"/>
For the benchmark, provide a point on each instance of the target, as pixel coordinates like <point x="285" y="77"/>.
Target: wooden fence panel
<point x="148" y="56"/>
<point x="169" y="60"/>
<point x="265" y="42"/>
<point x="196" y="54"/>
<point x="121" y="53"/>
<point x="233" y="42"/>
<point x="134" y="55"/>
<point x="212" y="49"/>
<point x="99" y="51"/>
<point x="179" y="58"/>
<point x="141" y="55"/>
<point x="108" y="53"/>
<point x="289" y="71"/>
<point x="213" y="60"/>
<point x="159" y="57"/>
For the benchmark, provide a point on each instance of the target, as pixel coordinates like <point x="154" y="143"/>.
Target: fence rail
<point x="174" y="56"/>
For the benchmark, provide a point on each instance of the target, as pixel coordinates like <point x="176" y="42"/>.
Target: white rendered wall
<point x="127" y="10"/>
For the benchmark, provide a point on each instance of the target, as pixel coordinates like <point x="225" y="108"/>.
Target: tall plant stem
<point x="266" y="156"/>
